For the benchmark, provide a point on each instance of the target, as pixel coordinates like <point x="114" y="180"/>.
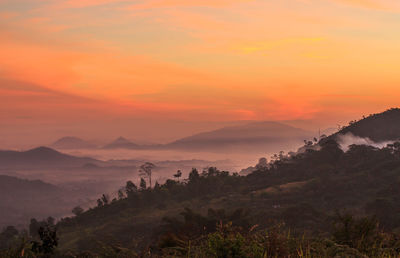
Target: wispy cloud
<point x="65" y="4"/>
<point x="382" y="5"/>
<point x="264" y="46"/>
<point x="153" y="4"/>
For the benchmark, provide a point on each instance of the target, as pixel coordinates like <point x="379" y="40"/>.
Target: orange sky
<point x="204" y="60"/>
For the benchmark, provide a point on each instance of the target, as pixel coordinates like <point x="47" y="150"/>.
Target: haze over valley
<point x="73" y="171"/>
<point x="79" y="171"/>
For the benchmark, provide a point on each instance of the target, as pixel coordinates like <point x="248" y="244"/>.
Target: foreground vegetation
<point x="212" y="236"/>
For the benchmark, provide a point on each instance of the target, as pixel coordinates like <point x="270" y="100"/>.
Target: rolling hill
<point x="41" y="157"/>
<point x="23" y="199"/>
<point x="264" y="136"/>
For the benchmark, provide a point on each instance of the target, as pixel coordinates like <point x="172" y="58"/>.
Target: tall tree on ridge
<point x="146" y="171"/>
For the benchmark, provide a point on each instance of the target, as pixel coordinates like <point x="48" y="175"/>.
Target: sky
<point x="70" y="66"/>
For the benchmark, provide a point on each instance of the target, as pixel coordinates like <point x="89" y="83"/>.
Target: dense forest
<point x="321" y="202"/>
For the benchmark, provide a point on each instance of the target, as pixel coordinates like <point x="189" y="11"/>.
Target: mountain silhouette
<point x="41" y="157"/>
<point x="377" y="127"/>
<point x="254" y="136"/>
<point x="70" y="142"/>
<point x="121" y="143"/>
<point x="8" y="183"/>
<point x="23" y="199"/>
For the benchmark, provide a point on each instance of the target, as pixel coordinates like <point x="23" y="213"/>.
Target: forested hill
<point x="326" y="203"/>
<point x="377" y="127"/>
<point x="303" y="194"/>
<point x="41" y="157"/>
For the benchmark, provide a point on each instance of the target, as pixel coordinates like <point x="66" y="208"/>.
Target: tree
<point x="308" y="143"/>
<point x="178" y="174"/>
<point x="34" y="227"/>
<point x="77" y="210"/>
<point x="121" y="194"/>
<point x="105" y="199"/>
<point x="48" y="240"/>
<point x="8" y="235"/>
<point x="50" y="221"/>
<point x="146" y="170"/>
<point x="262" y="164"/>
<point x="99" y="203"/>
<point x="9" y="232"/>
<point x="142" y="184"/>
<point x="194" y="175"/>
<point x="130" y="188"/>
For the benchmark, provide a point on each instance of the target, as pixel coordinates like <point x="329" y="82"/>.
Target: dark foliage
<point x="48" y="240"/>
<point x="377" y="127"/>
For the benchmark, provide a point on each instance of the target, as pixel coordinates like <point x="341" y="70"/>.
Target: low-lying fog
<point x="63" y="187"/>
<point x="83" y="177"/>
<point x="233" y="160"/>
<point x="83" y="185"/>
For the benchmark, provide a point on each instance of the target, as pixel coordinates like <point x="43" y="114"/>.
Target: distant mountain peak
<point x="41" y="157"/>
<point x="69" y="138"/>
<point x="71" y="142"/>
<point x="121" y="142"/>
<point x="43" y="150"/>
<point x="254" y="136"/>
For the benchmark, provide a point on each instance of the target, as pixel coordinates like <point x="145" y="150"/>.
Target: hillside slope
<point x="23" y="199"/>
<point x="41" y="157"/>
<point x="69" y="142"/>
<point x="380" y="127"/>
<point x="266" y="136"/>
<point x="303" y="192"/>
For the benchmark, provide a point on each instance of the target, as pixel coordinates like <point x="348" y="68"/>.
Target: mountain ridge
<point x="263" y="134"/>
<point x="121" y="143"/>
<point x="379" y="127"/>
<point x="72" y="142"/>
<point x="41" y="157"/>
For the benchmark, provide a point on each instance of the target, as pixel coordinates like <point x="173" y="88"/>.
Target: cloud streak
<point x="153" y="4"/>
<point x="381" y="5"/>
<point x="243" y="59"/>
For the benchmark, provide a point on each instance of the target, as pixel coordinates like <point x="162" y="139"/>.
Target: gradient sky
<point x="71" y="61"/>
